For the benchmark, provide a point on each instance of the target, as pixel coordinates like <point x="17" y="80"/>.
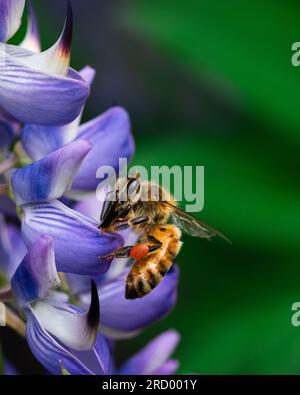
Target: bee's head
<point x="120" y="199"/>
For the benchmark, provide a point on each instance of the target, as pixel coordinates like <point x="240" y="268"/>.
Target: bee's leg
<point x="124" y="212"/>
<point x="109" y="211"/>
<point x="123" y="252"/>
<point x="136" y="251"/>
<point x="153" y="240"/>
<point x="120" y="224"/>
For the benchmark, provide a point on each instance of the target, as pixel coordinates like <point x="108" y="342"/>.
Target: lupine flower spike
<point x="50" y="240"/>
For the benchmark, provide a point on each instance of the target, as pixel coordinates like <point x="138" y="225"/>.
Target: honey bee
<point x="147" y="208"/>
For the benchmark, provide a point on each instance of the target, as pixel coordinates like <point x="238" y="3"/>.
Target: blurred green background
<point x="211" y="83"/>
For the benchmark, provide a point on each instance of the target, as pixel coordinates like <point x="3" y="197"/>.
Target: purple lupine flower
<point x="9" y="126"/>
<point x="154" y="357"/>
<point x="38" y="88"/>
<point x="60" y="335"/>
<point x="110" y="134"/>
<point x="37" y="187"/>
<point x="41" y="96"/>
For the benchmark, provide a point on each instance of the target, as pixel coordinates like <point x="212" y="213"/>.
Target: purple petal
<point x="56" y="59"/>
<point x="48" y="178"/>
<point x="90" y="206"/>
<point x="31" y="40"/>
<point x="72" y="328"/>
<point x="10" y="17"/>
<point x="153" y="356"/>
<point x="53" y="355"/>
<point x="121" y="318"/>
<point x="110" y="134"/>
<point x="12" y="248"/>
<point x="40" y="88"/>
<point x="88" y="74"/>
<point x="9" y="369"/>
<point x="9" y="127"/>
<point x="169" y="368"/>
<point x="7" y="206"/>
<point x="36" y="96"/>
<point x="41" y="140"/>
<point x="36" y="274"/>
<point x="17" y="248"/>
<point x="80" y="284"/>
<point x="78" y="243"/>
<point x="77" y="283"/>
<point x="6" y="134"/>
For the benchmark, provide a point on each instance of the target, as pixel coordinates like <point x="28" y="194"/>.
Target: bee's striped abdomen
<point x="147" y="273"/>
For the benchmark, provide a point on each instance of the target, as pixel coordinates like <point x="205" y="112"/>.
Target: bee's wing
<point x="193" y="226"/>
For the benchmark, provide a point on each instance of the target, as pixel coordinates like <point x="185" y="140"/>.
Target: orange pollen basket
<point x="139" y="251"/>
